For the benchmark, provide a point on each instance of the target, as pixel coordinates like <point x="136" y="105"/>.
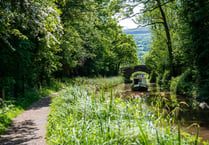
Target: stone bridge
<point x="127" y="71"/>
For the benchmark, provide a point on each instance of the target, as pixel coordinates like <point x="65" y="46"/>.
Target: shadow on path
<point x="29" y="128"/>
<point x="19" y="133"/>
<point x="44" y="102"/>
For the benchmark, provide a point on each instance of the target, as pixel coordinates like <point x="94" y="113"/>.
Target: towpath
<point x="29" y="128"/>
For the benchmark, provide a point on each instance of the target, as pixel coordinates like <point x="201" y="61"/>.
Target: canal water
<point x="187" y="115"/>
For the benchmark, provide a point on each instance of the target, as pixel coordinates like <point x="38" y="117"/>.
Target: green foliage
<point x="152" y="77"/>
<point x="81" y="116"/>
<point x="194" y="15"/>
<point x="99" y="83"/>
<point x="182" y="84"/>
<point x="163" y="81"/>
<point x="93" y="43"/>
<point x="7" y="84"/>
<point x="142" y="38"/>
<point x="179" y="42"/>
<point x="8" y="111"/>
<point x="29" y="38"/>
<point x="11" y="107"/>
<point x="42" y="39"/>
<point x="166" y="81"/>
<point x="157" y="58"/>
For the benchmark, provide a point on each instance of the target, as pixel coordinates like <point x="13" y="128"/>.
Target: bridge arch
<point x="127" y="71"/>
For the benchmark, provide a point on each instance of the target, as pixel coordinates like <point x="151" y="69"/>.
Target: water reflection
<point x="185" y="110"/>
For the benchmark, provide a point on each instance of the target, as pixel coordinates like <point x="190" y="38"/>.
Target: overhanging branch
<point x="156" y="7"/>
<point x="154" y="23"/>
<point x="149" y="10"/>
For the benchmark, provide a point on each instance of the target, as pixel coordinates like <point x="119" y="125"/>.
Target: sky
<point x="128" y="23"/>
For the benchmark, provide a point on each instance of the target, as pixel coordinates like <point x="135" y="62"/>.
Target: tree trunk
<point x="169" y="44"/>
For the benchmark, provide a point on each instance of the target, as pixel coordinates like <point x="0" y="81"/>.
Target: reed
<point x="79" y="115"/>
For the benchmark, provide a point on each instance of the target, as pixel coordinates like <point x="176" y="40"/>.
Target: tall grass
<point x="99" y="83"/>
<point x="81" y="116"/>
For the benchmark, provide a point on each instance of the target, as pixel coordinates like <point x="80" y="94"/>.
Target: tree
<point x="151" y="17"/>
<point x="29" y="37"/>
<point x="42" y="38"/>
<point x="91" y="37"/>
<point x="195" y="17"/>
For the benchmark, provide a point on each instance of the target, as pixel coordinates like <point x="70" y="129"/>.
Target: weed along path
<point x="29" y="128"/>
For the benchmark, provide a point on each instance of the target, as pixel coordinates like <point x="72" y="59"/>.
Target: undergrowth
<point x="82" y="115"/>
<point x="13" y="106"/>
<point x="99" y="83"/>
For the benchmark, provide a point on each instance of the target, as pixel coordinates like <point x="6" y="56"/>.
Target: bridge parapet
<point x="127" y="71"/>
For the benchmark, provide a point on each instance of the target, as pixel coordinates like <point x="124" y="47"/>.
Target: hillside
<point x="142" y="37"/>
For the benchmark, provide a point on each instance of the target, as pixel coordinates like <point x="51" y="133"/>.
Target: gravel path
<point x="29" y="128"/>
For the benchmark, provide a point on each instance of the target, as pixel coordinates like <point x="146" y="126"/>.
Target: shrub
<point x="166" y="80"/>
<point x="153" y="77"/>
<point x="11" y="107"/>
<point x="182" y="84"/>
<point x="159" y="81"/>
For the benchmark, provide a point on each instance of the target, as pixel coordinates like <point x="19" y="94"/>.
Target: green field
<point x="142" y="37"/>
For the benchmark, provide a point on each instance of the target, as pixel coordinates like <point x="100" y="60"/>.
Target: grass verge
<point x="12" y="107"/>
<point x="81" y="115"/>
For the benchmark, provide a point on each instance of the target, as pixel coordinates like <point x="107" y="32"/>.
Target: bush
<point x="166" y="80"/>
<point x="7" y="87"/>
<point x="203" y="93"/>
<point x="159" y="81"/>
<point x="182" y="84"/>
<point x="153" y="77"/>
<point x="11" y="107"/>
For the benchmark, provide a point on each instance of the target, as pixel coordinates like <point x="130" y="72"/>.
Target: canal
<point x="188" y="112"/>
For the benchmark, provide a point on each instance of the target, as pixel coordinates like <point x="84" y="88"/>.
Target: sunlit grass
<point x="98" y="83"/>
<point x="79" y="115"/>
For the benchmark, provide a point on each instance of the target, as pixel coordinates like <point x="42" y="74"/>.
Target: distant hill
<point x="142" y="37"/>
<point x="136" y="31"/>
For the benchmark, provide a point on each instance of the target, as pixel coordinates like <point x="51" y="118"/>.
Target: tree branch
<point x="149" y="10"/>
<point x="154" y="23"/>
<point x="129" y="16"/>
<point x="156" y="7"/>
